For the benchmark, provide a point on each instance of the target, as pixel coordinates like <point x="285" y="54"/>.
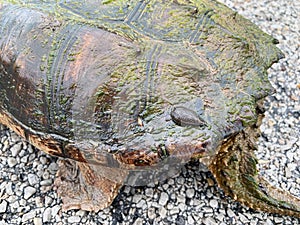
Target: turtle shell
<point x="135" y="85"/>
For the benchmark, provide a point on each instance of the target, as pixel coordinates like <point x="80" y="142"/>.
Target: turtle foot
<point x="235" y="170"/>
<point x="80" y="187"/>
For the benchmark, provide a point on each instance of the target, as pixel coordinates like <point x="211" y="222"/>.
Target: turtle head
<point x="175" y="136"/>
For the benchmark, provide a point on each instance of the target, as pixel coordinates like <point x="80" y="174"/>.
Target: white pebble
<point x="136" y="198"/>
<point x="8" y="189"/>
<point x="190" y="193"/>
<point x="47" y="215"/>
<point x="15" y="149"/>
<point x="28" y="216"/>
<point x="37" y="221"/>
<point x="213" y="203"/>
<point x="162" y="212"/>
<point x="47" y="182"/>
<point x="11" y="162"/>
<point x="230" y="213"/>
<point x="164" y="197"/>
<point x="3" y="206"/>
<point x="190" y="220"/>
<point x="55" y="209"/>
<point x="138" y="221"/>
<point x="151" y="213"/>
<point x="209" y="221"/>
<point x="74" y="219"/>
<point x="28" y="192"/>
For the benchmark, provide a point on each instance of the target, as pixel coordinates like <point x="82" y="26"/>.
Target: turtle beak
<point x="187" y="150"/>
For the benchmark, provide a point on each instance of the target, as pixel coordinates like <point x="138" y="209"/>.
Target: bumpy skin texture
<point x="134" y="89"/>
<point x="234" y="167"/>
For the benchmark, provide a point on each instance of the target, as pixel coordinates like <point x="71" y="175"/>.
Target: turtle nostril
<point x="185" y="117"/>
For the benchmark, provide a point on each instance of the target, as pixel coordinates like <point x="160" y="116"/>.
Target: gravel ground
<point x="27" y="195"/>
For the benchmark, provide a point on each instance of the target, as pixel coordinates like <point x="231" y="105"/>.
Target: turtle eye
<point x="185" y="117"/>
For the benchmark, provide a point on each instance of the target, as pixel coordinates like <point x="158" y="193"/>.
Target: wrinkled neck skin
<point x="234" y="168"/>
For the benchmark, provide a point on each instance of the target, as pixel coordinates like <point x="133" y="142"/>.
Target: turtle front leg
<point x="84" y="186"/>
<point x="235" y="170"/>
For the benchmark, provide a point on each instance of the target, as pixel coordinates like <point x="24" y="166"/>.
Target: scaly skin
<point x="234" y="167"/>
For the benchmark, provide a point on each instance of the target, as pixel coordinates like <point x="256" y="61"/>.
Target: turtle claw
<point x="235" y="170"/>
<point x="80" y="187"/>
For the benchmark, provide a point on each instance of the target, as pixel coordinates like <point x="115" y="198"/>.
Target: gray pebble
<point x="24" y="159"/>
<point x="43" y="160"/>
<point x="46" y="175"/>
<point x="149" y="192"/>
<point x="53" y="167"/>
<point x="190" y="193"/>
<point x="136" y="198"/>
<point x="142" y="204"/>
<point x="180" y="180"/>
<point x="31" y="157"/>
<point x="127" y="189"/>
<point x="33" y="179"/>
<point x="14" y="138"/>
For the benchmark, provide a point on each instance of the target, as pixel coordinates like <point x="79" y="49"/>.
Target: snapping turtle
<point x="129" y="91"/>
